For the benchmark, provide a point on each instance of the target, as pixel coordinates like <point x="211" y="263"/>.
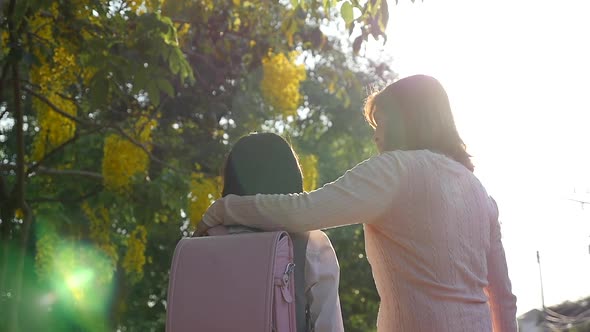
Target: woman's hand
<point x="211" y="218"/>
<point x="202" y="229"/>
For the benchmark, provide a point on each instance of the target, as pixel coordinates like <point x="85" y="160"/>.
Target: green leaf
<point x="346" y="12"/>
<point x="20" y="10"/>
<point x="174" y="61"/>
<point x="384" y="16"/>
<point x="99" y="89"/>
<point x="294" y="3"/>
<point x="327" y="8"/>
<point x="164" y="85"/>
<point x="153" y="92"/>
<point x="139" y="81"/>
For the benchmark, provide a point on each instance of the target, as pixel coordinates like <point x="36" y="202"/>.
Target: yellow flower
<point x="182" y="33"/>
<point x="134" y="5"/>
<point x="47" y="243"/>
<point x="280" y="82"/>
<point x="204" y="190"/>
<point x="309" y="168"/>
<point x="143" y="130"/>
<point x="52" y="77"/>
<point x="135" y="259"/>
<point x="4" y="42"/>
<point x="54" y="128"/>
<point x="19" y="214"/>
<point x="100" y="231"/>
<point x="121" y="161"/>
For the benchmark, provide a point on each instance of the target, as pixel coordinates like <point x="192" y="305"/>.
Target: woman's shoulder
<point x="408" y="158"/>
<point x="420" y="163"/>
<point x="406" y="155"/>
<point x="389" y="163"/>
<point x="413" y="154"/>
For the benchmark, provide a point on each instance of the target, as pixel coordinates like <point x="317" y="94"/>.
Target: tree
<point x="115" y="119"/>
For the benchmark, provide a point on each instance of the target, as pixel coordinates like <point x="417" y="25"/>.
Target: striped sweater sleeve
<point x="359" y="196"/>
<point x="499" y="290"/>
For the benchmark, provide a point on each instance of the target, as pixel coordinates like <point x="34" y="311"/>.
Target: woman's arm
<point x="499" y="290"/>
<point x="359" y="196"/>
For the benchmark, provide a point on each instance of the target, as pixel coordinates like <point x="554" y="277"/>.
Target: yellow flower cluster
<point x="46" y="247"/>
<point x="280" y="82"/>
<point x="208" y="4"/>
<point x="82" y="8"/>
<point x="134" y="5"/>
<point x="182" y="33"/>
<point x="123" y="159"/>
<point x="100" y="231"/>
<point x="204" y="190"/>
<point x="4" y="42"/>
<point x="41" y="23"/>
<point x="54" y="128"/>
<point x="309" y="168"/>
<point x="19" y="214"/>
<point x="143" y="130"/>
<point x="53" y="77"/>
<point x="134" y="259"/>
<point x="55" y="74"/>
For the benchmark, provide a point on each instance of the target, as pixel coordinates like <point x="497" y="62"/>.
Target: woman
<point x="431" y="230"/>
<point x="266" y="164"/>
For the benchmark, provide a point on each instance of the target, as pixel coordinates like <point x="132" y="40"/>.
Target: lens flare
<point x="79" y="277"/>
<point x="78" y="283"/>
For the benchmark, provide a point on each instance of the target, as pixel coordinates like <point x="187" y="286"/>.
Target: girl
<point x="266" y="164"/>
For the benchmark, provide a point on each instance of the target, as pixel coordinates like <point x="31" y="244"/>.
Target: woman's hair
<point x="262" y="164"/>
<point x="419" y="118"/>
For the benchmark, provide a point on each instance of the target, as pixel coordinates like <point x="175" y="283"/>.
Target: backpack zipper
<point x="285" y="284"/>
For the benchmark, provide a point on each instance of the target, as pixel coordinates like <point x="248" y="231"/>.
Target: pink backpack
<point x="242" y="282"/>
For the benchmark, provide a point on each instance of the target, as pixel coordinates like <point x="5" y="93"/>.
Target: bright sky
<point x="517" y="74"/>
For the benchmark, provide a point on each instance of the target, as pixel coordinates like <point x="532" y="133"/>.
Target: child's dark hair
<point x="262" y="164"/>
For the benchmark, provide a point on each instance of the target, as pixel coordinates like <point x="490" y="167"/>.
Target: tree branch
<point x="37" y="86"/>
<point x="54" y="171"/>
<point x="147" y="151"/>
<point x="58" y="110"/>
<point x="19" y="188"/>
<point x="6" y="213"/>
<point x="18" y="193"/>
<point x="38" y="163"/>
<point x="77" y="199"/>
<point x="20" y="262"/>
<point x="3" y="76"/>
<point x="69" y="172"/>
<point x="7" y="167"/>
<point x="35" y="35"/>
<point x="116" y="128"/>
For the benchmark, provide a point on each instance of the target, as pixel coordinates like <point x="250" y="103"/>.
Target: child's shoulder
<point x="319" y="245"/>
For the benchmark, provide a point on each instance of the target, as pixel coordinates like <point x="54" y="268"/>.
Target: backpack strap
<point x="302" y="307"/>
